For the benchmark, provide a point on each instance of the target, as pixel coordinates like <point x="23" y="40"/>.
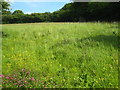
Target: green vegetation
<point x="66" y="55"/>
<point x="71" y="12"/>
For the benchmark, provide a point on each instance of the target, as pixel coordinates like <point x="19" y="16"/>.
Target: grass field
<point x="60" y="55"/>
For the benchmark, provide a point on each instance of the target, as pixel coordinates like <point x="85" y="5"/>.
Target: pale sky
<point x="37" y="6"/>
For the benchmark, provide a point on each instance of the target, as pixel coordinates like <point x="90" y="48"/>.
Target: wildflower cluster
<point x="26" y="79"/>
<point x="22" y="79"/>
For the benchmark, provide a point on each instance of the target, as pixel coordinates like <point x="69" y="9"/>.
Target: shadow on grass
<point x="3" y="34"/>
<point x="106" y="40"/>
<point x="112" y="40"/>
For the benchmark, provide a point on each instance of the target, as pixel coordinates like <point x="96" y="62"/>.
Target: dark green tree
<point x="71" y="12"/>
<point x="17" y="12"/>
<point x="4" y="7"/>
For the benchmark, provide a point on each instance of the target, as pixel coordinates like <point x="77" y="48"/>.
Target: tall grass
<point x="60" y="55"/>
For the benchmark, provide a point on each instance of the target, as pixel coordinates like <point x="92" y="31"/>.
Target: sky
<point x="37" y="7"/>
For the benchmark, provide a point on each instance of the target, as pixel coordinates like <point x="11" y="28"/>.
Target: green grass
<point x="66" y="55"/>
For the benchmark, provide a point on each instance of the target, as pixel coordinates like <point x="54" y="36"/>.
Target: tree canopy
<point x="71" y="12"/>
<point x="17" y="12"/>
<point x="5" y="7"/>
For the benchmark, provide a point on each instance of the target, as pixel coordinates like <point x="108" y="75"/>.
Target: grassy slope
<point x="69" y="54"/>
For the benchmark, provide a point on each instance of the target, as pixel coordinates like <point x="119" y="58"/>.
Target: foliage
<point x="71" y="12"/>
<point x="18" y="12"/>
<point x="4" y="7"/>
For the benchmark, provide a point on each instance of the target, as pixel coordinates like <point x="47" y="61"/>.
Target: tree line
<point x="71" y="12"/>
